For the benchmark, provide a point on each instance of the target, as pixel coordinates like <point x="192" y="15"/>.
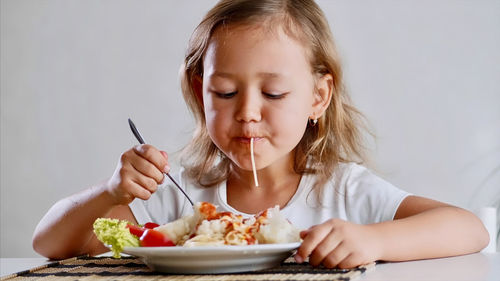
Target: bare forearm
<point x="67" y="226"/>
<point x="66" y="229"/>
<point x="439" y="232"/>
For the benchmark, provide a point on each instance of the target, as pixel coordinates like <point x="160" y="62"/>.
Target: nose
<point x="249" y="107"/>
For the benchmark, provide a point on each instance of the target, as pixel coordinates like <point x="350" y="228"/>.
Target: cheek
<point x="289" y="125"/>
<point x="216" y="119"/>
<point x="210" y="116"/>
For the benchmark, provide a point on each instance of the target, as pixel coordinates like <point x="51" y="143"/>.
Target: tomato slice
<point x="151" y="225"/>
<point x="154" y="238"/>
<point x="136" y="230"/>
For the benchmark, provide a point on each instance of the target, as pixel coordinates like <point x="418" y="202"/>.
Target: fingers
<point x="149" y="164"/>
<point x="138" y="173"/>
<point x="147" y="183"/>
<point x="147" y="169"/>
<point x="331" y="245"/>
<point x="130" y="179"/>
<point x="351" y="261"/>
<point x="138" y="191"/>
<point x="327" y="247"/>
<point x="167" y="167"/>
<point x="312" y="238"/>
<point x="336" y="256"/>
<point x="158" y="158"/>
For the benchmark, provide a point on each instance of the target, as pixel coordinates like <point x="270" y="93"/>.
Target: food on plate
<point x="118" y="234"/>
<point x="209" y="227"/>
<point x="153" y="238"/>
<point x="206" y="227"/>
<point x="151" y="225"/>
<point x="138" y="230"/>
<point x="114" y="232"/>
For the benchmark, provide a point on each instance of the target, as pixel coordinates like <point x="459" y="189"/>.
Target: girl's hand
<point x="138" y="174"/>
<point x="338" y="243"/>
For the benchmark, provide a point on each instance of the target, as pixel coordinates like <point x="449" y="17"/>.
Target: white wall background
<point x="425" y="73"/>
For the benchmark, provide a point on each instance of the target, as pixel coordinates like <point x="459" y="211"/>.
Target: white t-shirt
<point x="353" y="194"/>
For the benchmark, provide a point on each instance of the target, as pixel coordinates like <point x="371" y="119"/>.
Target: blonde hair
<point x="335" y="138"/>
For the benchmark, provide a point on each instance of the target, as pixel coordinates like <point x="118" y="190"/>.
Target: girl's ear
<point x="197" y="85"/>
<point x="323" y="95"/>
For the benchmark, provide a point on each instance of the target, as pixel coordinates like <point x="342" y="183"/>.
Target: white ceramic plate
<point x="213" y="259"/>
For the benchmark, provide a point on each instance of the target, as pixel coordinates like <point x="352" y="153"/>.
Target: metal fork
<point x="141" y="141"/>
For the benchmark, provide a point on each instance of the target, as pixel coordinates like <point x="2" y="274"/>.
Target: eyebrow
<point x="260" y="74"/>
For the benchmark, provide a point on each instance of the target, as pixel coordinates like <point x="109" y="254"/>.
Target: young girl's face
<point x="256" y="84"/>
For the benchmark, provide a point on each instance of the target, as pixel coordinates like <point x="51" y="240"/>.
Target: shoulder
<point x="356" y="183"/>
<point x="367" y="197"/>
<point x="348" y="174"/>
<point x="351" y="170"/>
<point x="355" y="178"/>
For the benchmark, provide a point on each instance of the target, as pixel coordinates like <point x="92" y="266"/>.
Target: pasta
<point x="252" y="159"/>
<point x="209" y="227"/>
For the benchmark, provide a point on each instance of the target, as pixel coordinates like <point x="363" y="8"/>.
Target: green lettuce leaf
<point x="114" y="233"/>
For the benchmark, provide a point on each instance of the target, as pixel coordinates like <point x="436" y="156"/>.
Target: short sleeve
<point x="369" y="198"/>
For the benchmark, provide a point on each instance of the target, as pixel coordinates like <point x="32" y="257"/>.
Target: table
<point x="480" y="266"/>
<point x="13" y="265"/>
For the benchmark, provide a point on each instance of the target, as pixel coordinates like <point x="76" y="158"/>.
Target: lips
<point x="246" y="139"/>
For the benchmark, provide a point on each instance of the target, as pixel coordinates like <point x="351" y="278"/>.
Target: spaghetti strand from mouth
<point x="253" y="163"/>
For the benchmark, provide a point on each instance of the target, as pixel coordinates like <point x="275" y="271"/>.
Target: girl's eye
<point x="274" y="96"/>
<point x="225" y="95"/>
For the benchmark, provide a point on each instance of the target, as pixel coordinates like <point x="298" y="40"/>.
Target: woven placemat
<point x="131" y="268"/>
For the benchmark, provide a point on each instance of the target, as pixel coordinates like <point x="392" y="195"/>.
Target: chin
<point x="243" y="166"/>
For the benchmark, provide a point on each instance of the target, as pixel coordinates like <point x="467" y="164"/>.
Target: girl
<point x="266" y="74"/>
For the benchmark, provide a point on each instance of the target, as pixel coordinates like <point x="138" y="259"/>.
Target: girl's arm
<point x="424" y="228"/>
<point x="421" y="229"/>
<point x="66" y="230"/>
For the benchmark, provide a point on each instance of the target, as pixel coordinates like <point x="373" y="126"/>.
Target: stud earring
<point x="312" y="122"/>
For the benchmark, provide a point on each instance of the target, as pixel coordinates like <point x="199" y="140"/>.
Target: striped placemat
<point x="131" y="268"/>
